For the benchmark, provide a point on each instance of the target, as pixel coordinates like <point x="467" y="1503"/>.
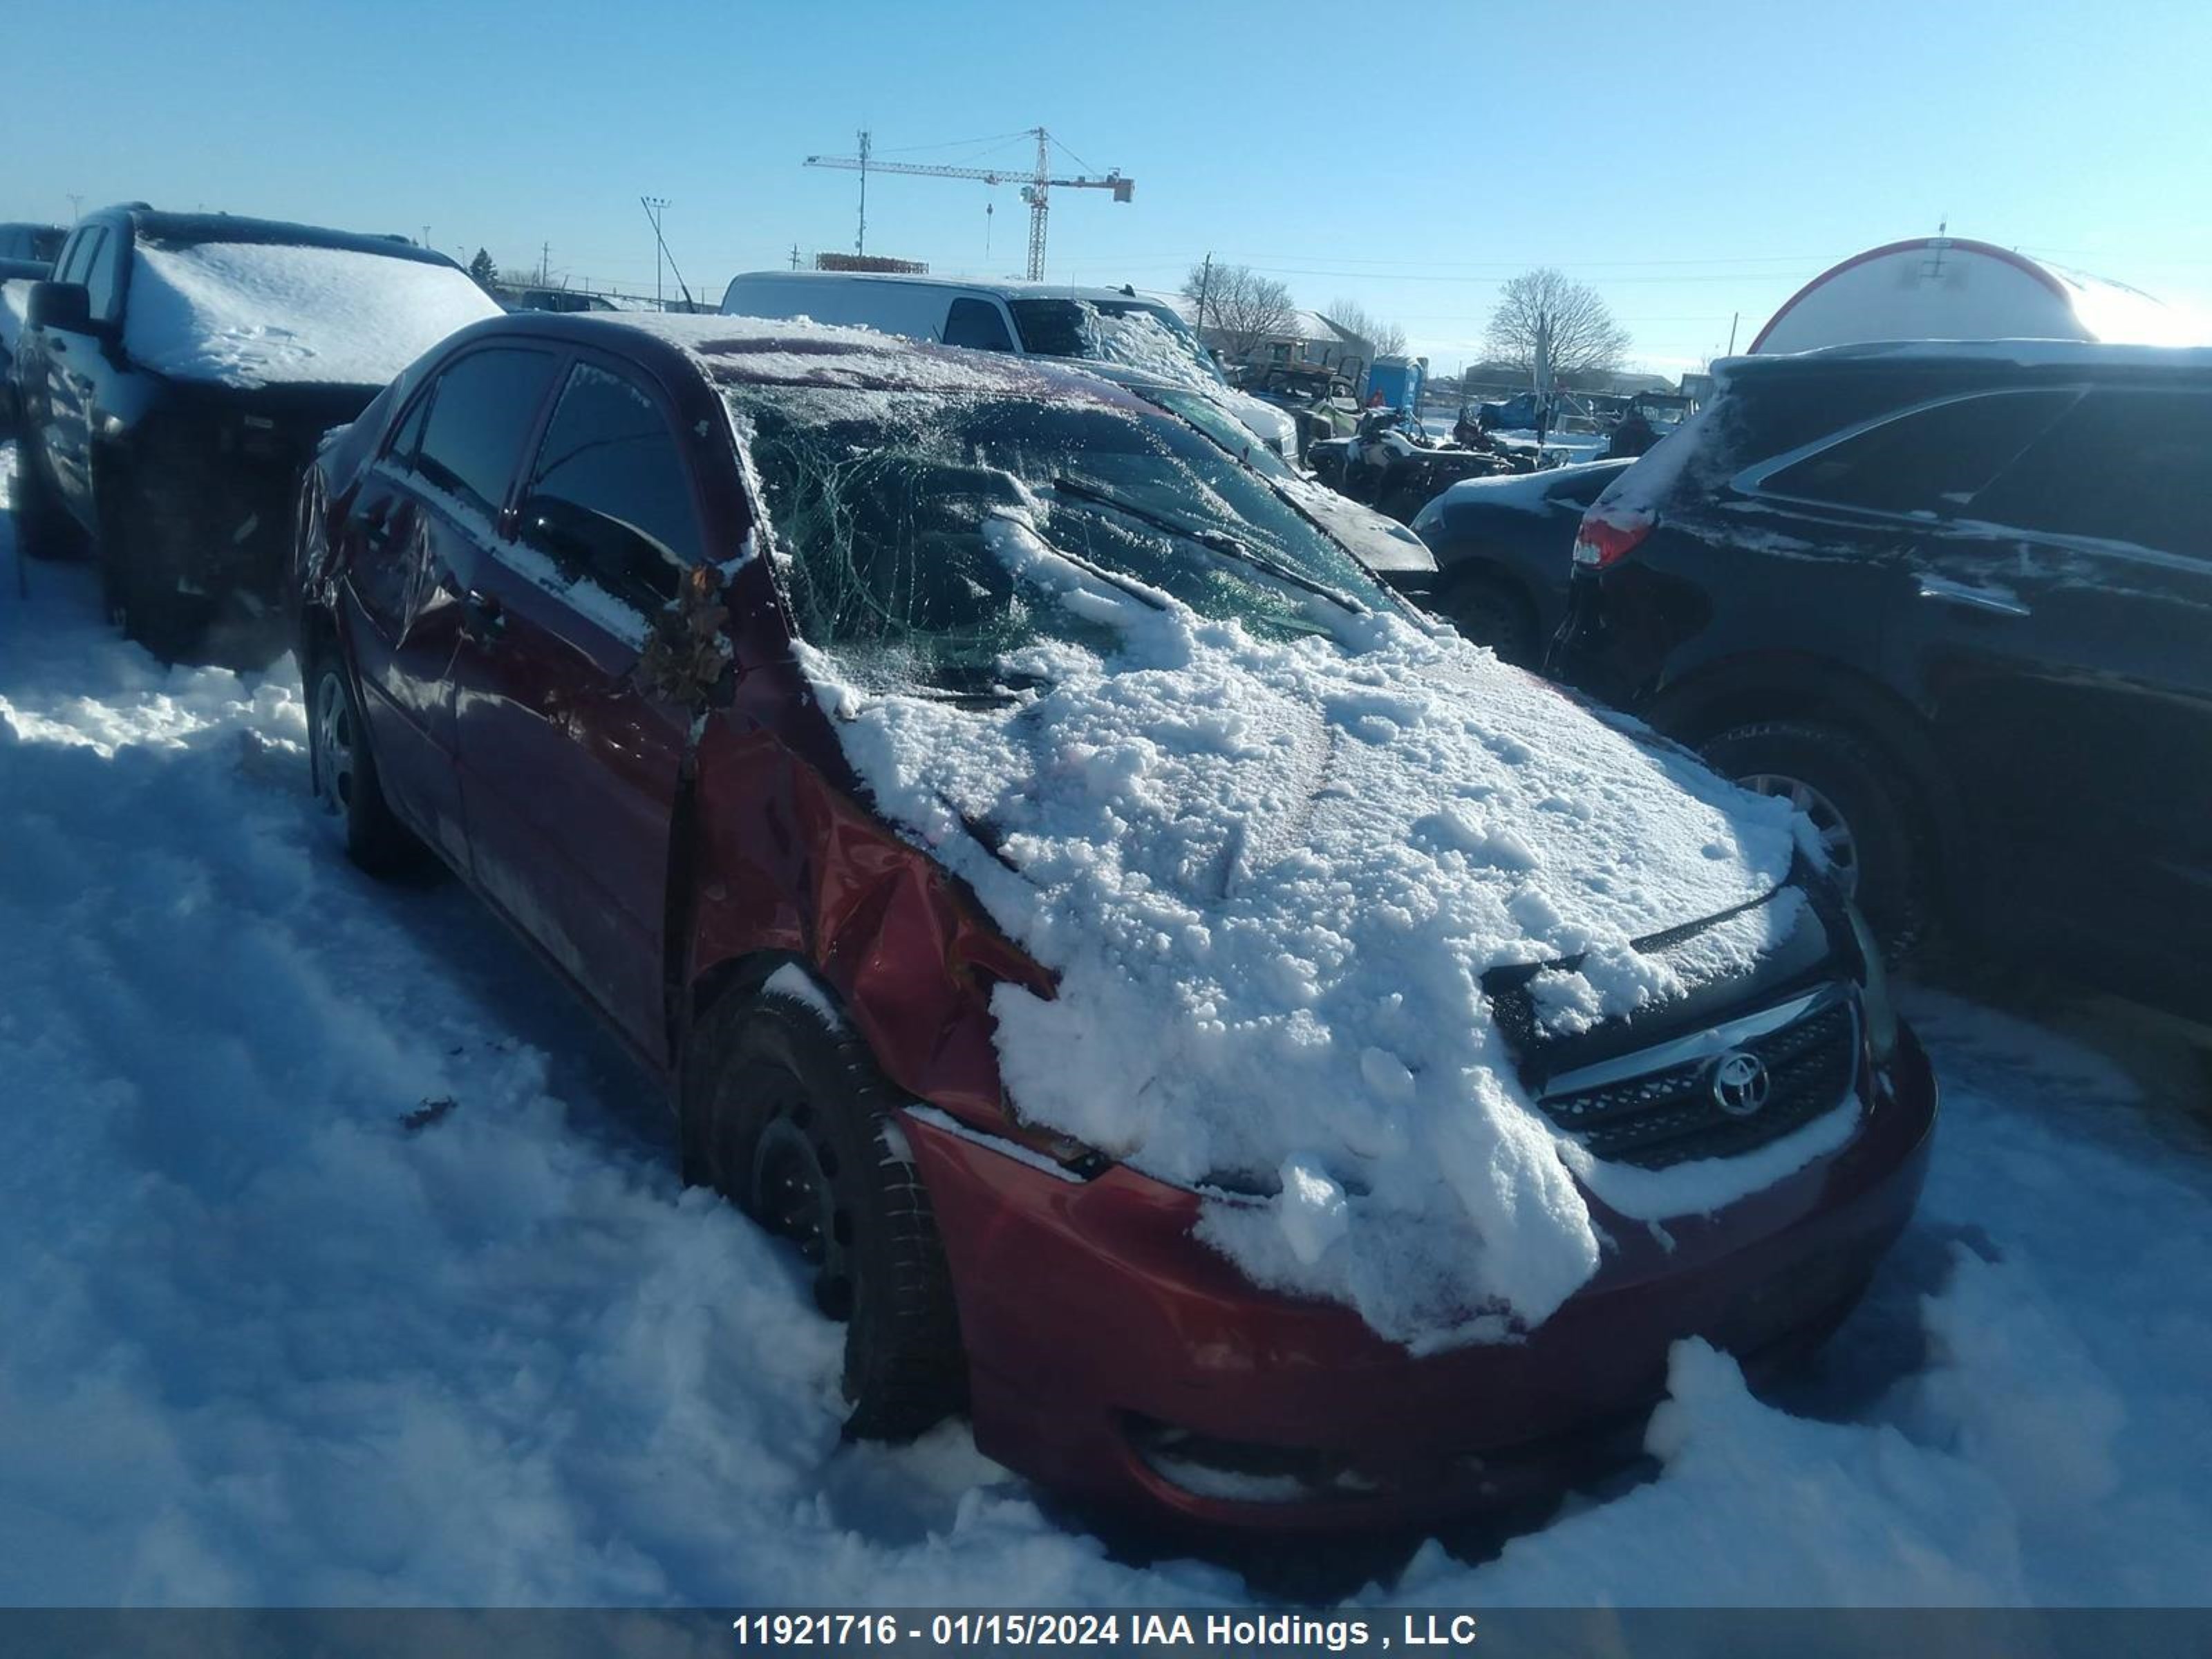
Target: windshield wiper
<point x="1214" y="541"/>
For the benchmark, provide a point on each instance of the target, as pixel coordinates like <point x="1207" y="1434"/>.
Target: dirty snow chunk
<point x="256" y="314"/>
<point x="1236" y="930"/>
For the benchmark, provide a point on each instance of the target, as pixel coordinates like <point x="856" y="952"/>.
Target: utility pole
<point x="1734" y="318"/>
<point x="1205" y="287"/>
<point x="76" y="206"/>
<point x="655" y="206"/>
<point x="545" y="265"/>
<point x="794" y="255"/>
<point x="426" y="236"/>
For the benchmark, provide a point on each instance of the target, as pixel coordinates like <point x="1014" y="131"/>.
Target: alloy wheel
<point x="1829" y="824"/>
<point x="331" y="733"/>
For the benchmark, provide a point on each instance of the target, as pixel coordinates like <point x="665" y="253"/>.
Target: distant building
<point x="1309" y="338"/>
<point x="1947" y="288"/>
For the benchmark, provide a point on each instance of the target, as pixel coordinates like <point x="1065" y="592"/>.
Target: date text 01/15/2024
<point x="1193" y="1632"/>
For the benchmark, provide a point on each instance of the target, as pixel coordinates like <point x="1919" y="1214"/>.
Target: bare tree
<point x="1243" y="309"/>
<point x="1584" y="338"/>
<point x="1386" y="339"/>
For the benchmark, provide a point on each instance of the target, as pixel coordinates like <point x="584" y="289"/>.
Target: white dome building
<point x="1947" y="288"/>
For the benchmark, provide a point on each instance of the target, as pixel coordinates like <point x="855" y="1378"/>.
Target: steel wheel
<point x="1829" y="823"/>
<point x="794" y="1195"/>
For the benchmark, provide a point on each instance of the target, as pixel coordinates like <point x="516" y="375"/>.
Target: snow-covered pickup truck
<point x="175" y="378"/>
<point x="1272" y="1062"/>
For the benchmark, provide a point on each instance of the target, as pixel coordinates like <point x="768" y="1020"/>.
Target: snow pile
<point x="344" y="1264"/>
<point x="251" y="314"/>
<point x="1270" y="877"/>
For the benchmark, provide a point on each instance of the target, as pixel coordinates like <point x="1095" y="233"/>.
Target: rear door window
<point x="2123" y="466"/>
<point x="481" y="412"/>
<point x="976" y="325"/>
<point x="1933" y="460"/>
<point x="610" y="495"/>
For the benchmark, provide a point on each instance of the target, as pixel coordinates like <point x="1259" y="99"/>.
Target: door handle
<point x="1992" y="601"/>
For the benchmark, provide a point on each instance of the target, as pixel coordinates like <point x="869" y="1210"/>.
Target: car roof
<point x="1980" y="358"/>
<point x="154" y="225"/>
<point x="766" y="351"/>
<point x="1006" y="287"/>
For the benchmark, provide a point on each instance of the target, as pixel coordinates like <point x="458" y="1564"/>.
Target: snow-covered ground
<point x="278" y="1325"/>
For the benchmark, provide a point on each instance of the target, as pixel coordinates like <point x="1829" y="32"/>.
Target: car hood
<point x="1380" y="543"/>
<point x="1270" y="877"/>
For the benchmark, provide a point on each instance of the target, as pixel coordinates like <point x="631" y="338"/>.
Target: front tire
<point x="347" y="798"/>
<point x="792" y="1120"/>
<point x="140" y="593"/>
<point x="43" y="530"/>
<point x="1865" y="817"/>
<point x="1489" y="612"/>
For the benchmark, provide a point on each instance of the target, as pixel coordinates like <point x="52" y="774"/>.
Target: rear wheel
<point x="1864" y="818"/>
<point x="349" y="801"/>
<point x="1492" y="612"/>
<point x="791" y="1121"/>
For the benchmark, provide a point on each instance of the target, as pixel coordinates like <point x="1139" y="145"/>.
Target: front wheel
<point x="786" y="1115"/>
<point x="43" y="530"/>
<point x="349" y="800"/>
<point x="1862" y="814"/>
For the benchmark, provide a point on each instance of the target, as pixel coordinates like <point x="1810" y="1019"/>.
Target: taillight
<point x="1602" y="542"/>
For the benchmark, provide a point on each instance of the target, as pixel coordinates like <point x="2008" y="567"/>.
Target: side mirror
<point x="64" y="306"/>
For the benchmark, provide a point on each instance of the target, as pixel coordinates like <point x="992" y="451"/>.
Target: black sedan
<point x="1504" y="550"/>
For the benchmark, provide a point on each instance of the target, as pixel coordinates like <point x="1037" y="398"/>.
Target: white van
<point x="1116" y="328"/>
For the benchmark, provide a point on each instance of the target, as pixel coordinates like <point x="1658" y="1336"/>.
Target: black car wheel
<point x="1866" y="820"/>
<point x="43" y="530"/>
<point x="1490" y="612"/>
<point x="349" y="800"/>
<point x="791" y="1121"/>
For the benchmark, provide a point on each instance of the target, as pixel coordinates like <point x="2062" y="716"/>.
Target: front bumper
<point x="1113" y="1357"/>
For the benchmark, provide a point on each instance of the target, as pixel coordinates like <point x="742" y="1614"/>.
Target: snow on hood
<point x="251" y="314"/>
<point x="1269" y="877"/>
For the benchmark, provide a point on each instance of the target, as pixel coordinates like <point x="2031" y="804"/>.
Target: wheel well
<point x="1788" y="688"/>
<point x="1485" y="573"/>
<point x="319" y="631"/>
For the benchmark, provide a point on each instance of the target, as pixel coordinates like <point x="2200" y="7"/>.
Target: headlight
<point x="1874" y="990"/>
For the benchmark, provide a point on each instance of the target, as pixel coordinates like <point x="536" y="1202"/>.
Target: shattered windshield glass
<point x="879" y="501"/>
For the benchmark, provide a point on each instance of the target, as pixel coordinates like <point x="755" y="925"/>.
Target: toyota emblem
<point x="1740" y="1084"/>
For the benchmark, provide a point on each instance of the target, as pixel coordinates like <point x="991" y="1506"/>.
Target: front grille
<point x="1670" y="1115"/>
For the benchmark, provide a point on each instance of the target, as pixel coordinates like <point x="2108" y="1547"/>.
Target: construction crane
<point x="1035" y="191"/>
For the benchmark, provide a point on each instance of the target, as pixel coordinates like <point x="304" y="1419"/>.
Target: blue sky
<point x="1691" y="160"/>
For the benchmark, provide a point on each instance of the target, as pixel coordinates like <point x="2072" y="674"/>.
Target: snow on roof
<point x="1309" y="325"/>
<point x="251" y="314"/>
<point x="1940" y="288"/>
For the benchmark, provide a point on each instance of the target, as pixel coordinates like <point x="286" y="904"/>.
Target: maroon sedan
<point x="568" y="594"/>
